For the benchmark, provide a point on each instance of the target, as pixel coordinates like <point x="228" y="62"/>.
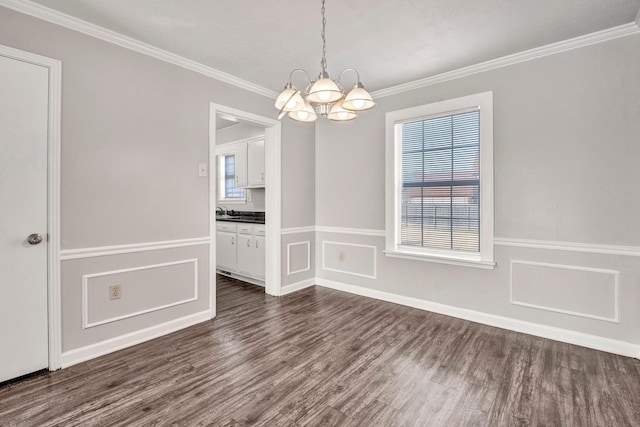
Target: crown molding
<point x="46" y="14"/>
<point x="41" y="12"/>
<point x="527" y="55"/>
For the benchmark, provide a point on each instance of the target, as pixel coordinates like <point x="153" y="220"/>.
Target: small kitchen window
<point x="227" y="191"/>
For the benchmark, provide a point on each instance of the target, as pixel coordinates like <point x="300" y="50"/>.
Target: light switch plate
<point x="202" y="169"/>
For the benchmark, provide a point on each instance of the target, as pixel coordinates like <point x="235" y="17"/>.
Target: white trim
<point x="450" y="261"/>
<point x="616" y="278"/>
<point x="99" y="251"/>
<point x="563" y="335"/>
<point x="346" y="230"/>
<point x="308" y="267"/>
<point x="59" y="18"/>
<point x="92" y="351"/>
<point x="54" y="317"/>
<point x="296" y="230"/>
<point x="85" y="292"/>
<point x="527" y="55"/>
<point x="375" y="259"/>
<point x="569" y="246"/>
<point x="67" y="21"/>
<point x="273" y="191"/>
<point x="298" y="286"/>
<point x="241" y="277"/>
<point x="482" y="102"/>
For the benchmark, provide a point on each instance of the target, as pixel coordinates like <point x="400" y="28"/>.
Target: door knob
<point x="34" y="239"/>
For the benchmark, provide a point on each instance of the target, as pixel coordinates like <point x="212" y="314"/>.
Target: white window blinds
<point x="441" y="182"/>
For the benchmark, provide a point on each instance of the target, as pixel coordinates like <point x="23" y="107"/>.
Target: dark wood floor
<point x="322" y="357"/>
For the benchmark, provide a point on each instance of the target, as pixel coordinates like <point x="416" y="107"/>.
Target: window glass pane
<point x="230" y="191"/>
<point x="441" y="182"/>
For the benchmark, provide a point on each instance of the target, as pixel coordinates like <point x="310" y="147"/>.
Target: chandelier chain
<point x="323" y="63"/>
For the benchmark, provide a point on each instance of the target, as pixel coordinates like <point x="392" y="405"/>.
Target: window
<point x="227" y="190"/>
<point x="440" y="181"/>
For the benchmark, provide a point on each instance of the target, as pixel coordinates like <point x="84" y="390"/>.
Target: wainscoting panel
<point x="298" y="257"/>
<point x="349" y="258"/>
<point x="144" y="289"/>
<point x="574" y="290"/>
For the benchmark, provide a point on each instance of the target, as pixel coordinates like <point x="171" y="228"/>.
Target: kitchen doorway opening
<point x="221" y="117"/>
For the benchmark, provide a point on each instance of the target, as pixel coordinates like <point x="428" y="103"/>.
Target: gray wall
<point x="134" y="130"/>
<point x="566" y="142"/>
<point x="299" y="202"/>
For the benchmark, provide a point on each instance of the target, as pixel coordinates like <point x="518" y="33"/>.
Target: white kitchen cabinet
<point x="226" y="243"/>
<point x="241" y="249"/>
<point x="255" y="163"/>
<point x="226" y="253"/>
<point x="246" y="250"/>
<point x="259" y="271"/>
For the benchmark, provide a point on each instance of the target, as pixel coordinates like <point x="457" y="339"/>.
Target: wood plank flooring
<point x="323" y="357"/>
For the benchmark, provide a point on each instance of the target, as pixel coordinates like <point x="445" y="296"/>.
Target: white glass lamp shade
<point x="306" y="114"/>
<point x="324" y="91"/>
<point x="289" y="99"/>
<point x="338" y="113"/>
<point x="358" y="99"/>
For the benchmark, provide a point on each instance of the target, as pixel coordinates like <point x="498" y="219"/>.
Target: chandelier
<point x="324" y="97"/>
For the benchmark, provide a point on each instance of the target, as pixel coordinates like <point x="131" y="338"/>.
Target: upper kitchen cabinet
<point x="255" y="154"/>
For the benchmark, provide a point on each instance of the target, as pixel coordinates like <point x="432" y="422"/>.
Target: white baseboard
<point x="92" y="351"/>
<point x="297" y="286"/>
<point x="564" y="335"/>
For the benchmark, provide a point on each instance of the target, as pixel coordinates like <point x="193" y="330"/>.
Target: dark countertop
<point x="243" y="217"/>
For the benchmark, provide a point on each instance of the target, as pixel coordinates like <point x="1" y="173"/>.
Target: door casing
<point x="273" y="190"/>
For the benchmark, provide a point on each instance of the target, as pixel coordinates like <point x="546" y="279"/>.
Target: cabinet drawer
<point x="258" y="230"/>
<point x="245" y="229"/>
<point x="226" y="226"/>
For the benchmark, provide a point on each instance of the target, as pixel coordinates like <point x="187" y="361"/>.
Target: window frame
<point x="223" y="151"/>
<point x="393" y="198"/>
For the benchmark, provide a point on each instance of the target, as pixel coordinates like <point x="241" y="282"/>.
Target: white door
<point x="23" y="212"/>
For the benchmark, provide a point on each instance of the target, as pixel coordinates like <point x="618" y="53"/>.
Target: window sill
<point x="486" y="265"/>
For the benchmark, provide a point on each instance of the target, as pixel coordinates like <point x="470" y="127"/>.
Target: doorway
<point x="272" y="150"/>
<point x="29" y="196"/>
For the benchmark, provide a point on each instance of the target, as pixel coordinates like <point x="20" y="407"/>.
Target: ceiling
<point x="389" y="42"/>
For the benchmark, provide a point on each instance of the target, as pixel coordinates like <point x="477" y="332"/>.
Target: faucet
<point x="222" y="210"/>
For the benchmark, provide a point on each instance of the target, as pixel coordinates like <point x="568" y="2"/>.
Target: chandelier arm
<point x="282" y="113"/>
<point x="298" y="69"/>
<point x="349" y="69"/>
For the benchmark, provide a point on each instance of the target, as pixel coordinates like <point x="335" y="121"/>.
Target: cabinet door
<point x="260" y="257"/>
<point x="256" y="163"/>
<point x="246" y="254"/>
<point x="240" y="152"/>
<point x="226" y="251"/>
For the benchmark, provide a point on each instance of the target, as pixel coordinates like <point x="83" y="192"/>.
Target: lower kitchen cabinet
<point x="226" y="254"/>
<point x="246" y="255"/>
<point x="260" y="257"/>
<point x="241" y="249"/>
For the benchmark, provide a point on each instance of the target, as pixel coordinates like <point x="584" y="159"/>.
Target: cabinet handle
<point x="233" y="241"/>
<point x="248" y="243"/>
<point x="256" y="244"/>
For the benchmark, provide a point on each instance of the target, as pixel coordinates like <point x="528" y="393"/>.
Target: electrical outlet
<point x="341" y="256"/>
<point x="115" y="292"/>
